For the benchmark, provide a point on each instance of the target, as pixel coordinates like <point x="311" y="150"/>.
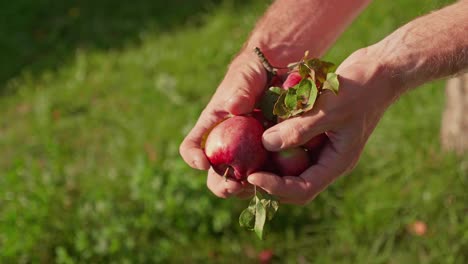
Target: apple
<point x="291" y="162"/>
<point x="257" y="114"/>
<point x="315" y="145"/>
<point x="265" y="256"/>
<point x="276" y="81"/>
<point x="316" y="142"/>
<point x="234" y="147"/>
<point x="292" y="79"/>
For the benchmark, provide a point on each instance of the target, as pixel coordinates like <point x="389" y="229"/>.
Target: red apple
<point x="316" y="142"/>
<point x="234" y="147"/>
<point x="257" y="114"/>
<point x="265" y="256"/>
<point x="291" y="162"/>
<point x="315" y="146"/>
<point x="292" y="79"/>
<point x="276" y="81"/>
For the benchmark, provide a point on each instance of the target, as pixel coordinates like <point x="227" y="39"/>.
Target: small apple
<point x="315" y="145"/>
<point x="234" y="147"/>
<point x="316" y="142"/>
<point x="257" y="114"/>
<point x="291" y="162"/>
<point x="292" y="79"/>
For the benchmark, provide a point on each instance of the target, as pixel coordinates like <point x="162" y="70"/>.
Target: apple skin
<point x="292" y="79"/>
<point x="276" y="81"/>
<point x="316" y="142"/>
<point x="291" y="162"/>
<point x="257" y="114"/>
<point x="315" y="145"/>
<point x="234" y="147"/>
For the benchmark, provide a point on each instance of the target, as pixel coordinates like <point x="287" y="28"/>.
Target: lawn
<point x="96" y="96"/>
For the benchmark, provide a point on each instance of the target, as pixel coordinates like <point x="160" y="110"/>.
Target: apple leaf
<point x="290" y="101"/>
<point x="312" y="97"/>
<point x="276" y="90"/>
<point x="303" y="91"/>
<point x="280" y="109"/>
<point x="332" y="83"/>
<point x="260" y="219"/>
<point x="262" y="208"/>
<point x="304" y="71"/>
<point x="271" y="205"/>
<point x="247" y="217"/>
<point x="321" y="68"/>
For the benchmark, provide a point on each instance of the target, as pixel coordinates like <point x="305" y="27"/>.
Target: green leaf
<point x="271" y="205"/>
<point x="267" y="103"/>
<point x="321" y="68"/>
<point x="304" y="71"/>
<point x="247" y="218"/>
<point x="290" y="101"/>
<point x="332" y="83"/>
<point x="260" y="219"/>
<point x="312" y="98"/>
<point x="276" y="90"/>
<point x="303" y="91"/>
<point x="280" y="109"/>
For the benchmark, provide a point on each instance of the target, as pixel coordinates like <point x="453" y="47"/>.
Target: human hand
<point x="237" y="94"/>
<point x="366" y="90"/>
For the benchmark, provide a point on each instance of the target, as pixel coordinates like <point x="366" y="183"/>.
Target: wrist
<point x="388" y="69"/>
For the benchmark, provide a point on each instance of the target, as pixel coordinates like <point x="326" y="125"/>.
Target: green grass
<point x="93" y="112"/>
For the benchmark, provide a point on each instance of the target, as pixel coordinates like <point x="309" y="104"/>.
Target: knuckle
<point x="293" y="135"/>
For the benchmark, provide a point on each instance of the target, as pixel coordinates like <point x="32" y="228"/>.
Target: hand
<point x="348" y="119"/>
<point x="237" y="94"/>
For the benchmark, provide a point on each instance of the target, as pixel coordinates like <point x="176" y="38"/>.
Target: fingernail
<point x="272" y="141"/>
<point x="251" y="179"/>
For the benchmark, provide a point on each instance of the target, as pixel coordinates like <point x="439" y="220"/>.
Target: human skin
<point x="430" y="47"/>
<point x="245" y="79"/>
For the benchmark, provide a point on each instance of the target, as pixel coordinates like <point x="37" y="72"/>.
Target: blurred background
<point x="96" y="96"/>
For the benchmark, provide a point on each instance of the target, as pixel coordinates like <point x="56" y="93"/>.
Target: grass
<point x="93" y="111"/>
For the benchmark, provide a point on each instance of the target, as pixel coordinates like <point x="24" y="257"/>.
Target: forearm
<point x="430" y="47"/>
<point x="290" y="27"/>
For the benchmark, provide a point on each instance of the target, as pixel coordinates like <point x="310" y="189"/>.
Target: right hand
<point x="242" y="86"/>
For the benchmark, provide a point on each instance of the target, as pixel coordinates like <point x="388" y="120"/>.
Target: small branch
<point x="266" y="64"/>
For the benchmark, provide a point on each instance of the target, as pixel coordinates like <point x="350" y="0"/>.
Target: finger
<point x="236" y="95"/>
<point x="222" y="187"/>
<point x="191" y="149"/>
<point x="302" y="189"/>
<point x="284" y="188"/>
<point x="242" y="87"/>
<point x="295" y="131"/>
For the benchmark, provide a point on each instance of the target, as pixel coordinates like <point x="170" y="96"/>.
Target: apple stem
<point x="226" y="173"/>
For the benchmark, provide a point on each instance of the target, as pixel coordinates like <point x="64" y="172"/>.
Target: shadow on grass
<point x="40" y="35"/>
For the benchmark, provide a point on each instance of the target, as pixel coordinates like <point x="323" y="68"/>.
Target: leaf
<point x="290" y="101"/>
<point x="267" y="103"/>
<point x="303" y="91"/>
<point x="271" y="205"/>
<point x="332" y="83"/>
<point x="247" y="218"/>
<point x="304" y="71"/>
<point x="321" y="68"/>
<point x="280" y="109"/>
<point x="312" y="98"/>
<point x="276" y="90"/>
<point x="260" y="219"/>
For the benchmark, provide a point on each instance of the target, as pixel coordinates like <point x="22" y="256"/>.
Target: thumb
<point x="294" y="132"/>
